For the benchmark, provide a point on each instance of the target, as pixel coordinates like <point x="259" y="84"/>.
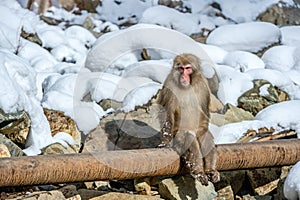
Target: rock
<point x="225" y="193"/>
<point x="42" y="195"/>
<point x="124" y="196"/>
<point x="170" y="3"/>
<point x="32" y="37"/>
<point x="87" y="5"/>
<point x="232" y="114"/>
<point x="185" y="187"/>
<point x="234" y="179"/>
<point x="215" y="104"/>
<point x="15" y="126"/>
<point x="4" y="152"/>
<point x="57" y="148"/>
<point x="59" y="122"/>
<point x="142" y="186"/>
<point x="87" y="194"/>
<point x="70" y="192"/>
<point x="134" y="130"/>
<point x="281" y="15"/>
<point x="67" y="4"/>
<point x="108" y="103"/>
<point x="260" y="96"/>
<point x="14" y="150"/>
<point x="264" y="181"/>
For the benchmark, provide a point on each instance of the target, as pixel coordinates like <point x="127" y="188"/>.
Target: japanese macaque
<point x="185" y="97"/>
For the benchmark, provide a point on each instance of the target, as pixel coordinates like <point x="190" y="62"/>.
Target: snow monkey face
<point x="185" y="66"/>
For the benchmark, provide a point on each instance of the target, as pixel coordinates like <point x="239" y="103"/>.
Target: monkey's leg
<point x="208" y="149"/>
<point x="194" y="162"/>
<point x="210" y="166"/>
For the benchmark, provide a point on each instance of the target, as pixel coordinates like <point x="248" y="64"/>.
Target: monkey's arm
<point x="168" y="121"/>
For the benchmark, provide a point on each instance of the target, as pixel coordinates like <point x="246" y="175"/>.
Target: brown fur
<point x="187" y="118"/>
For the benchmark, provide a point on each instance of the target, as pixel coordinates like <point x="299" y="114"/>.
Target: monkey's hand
<point x="213" y="175"/>
<point x="166" y="139"/>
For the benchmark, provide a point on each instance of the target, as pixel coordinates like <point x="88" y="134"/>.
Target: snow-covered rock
<point x="291" y="188"/>
<point x="216" y="53"/>
<point x="122" y="11"/>
<point x="243" y="61"/>
<point x="280" y="58"/>
<point x="290" y="35"/>
<point x="252" y="36"/>
<point x="157" y="70"/>
<point x="288" y="119"/>
<point x="109" y="48"/>
<point x="235" y="80"/>
<point x="244" y="11"/>
<point x="170" y="18"/>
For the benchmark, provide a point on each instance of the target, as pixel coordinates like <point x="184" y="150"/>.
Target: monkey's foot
<point x="202" y="177"/>
<point x="213" y="175"/>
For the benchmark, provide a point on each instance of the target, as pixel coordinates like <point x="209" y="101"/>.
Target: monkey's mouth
<point x="184" y="82"/>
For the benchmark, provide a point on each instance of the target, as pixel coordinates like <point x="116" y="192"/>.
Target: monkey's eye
<point x="186" y="68"/>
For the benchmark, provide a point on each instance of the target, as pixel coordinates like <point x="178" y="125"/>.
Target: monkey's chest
<point x="189" y="112"/>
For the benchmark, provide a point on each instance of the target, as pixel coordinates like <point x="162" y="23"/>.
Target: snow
<point x="290" y="35"/>
<point x="231" y="133"/>
<point x="217" y="54"/>
<point x="291" y="188"/>
<point x="244" y="11"/>
<point x="280" y="58"/>
<point x="241" y="36"/>
<point x="123" y="11"/>
<point x="131" y="40"/>
<point x="243" y="61"/>
<point x="288" y="117"/>
<point x="237" y="81"/>
<point x="171" y="18"/>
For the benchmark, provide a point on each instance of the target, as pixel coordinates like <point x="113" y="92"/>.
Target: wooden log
<point x="117" y="165"/>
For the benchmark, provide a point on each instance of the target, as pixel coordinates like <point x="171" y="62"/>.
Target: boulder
<point x="281" y="15"/>
<point x="57" y="148"/>
<point x="265" y="180"/>
<point x="13" y="149"/>
<point x="260" y="96"/>
<point x="185" y="187"/>
<point x="232" y="114"/>
<point x="124" y="196"/>
<point x="41" y="195"/>
<point x="15" y="126"/>
<point x="134" y="130"/>
<point x="59" y="122"/>
<point x="4" y="152"/>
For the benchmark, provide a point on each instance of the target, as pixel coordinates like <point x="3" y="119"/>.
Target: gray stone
<point x="14" y="150"/>
<point x="260" y="96"/>
<point x="134" y="130"/>
<point x="185" y="187"/>
<point x="281" y="15"/>
<point x="15" y="126"/>
<point x="232" y="114"/>
<point x="43" y="195"/>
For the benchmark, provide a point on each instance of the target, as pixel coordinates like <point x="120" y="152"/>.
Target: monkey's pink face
<point x="185" y="72"/>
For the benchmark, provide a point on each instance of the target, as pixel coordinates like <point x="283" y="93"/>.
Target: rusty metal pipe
<point x="117" y="165"/>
